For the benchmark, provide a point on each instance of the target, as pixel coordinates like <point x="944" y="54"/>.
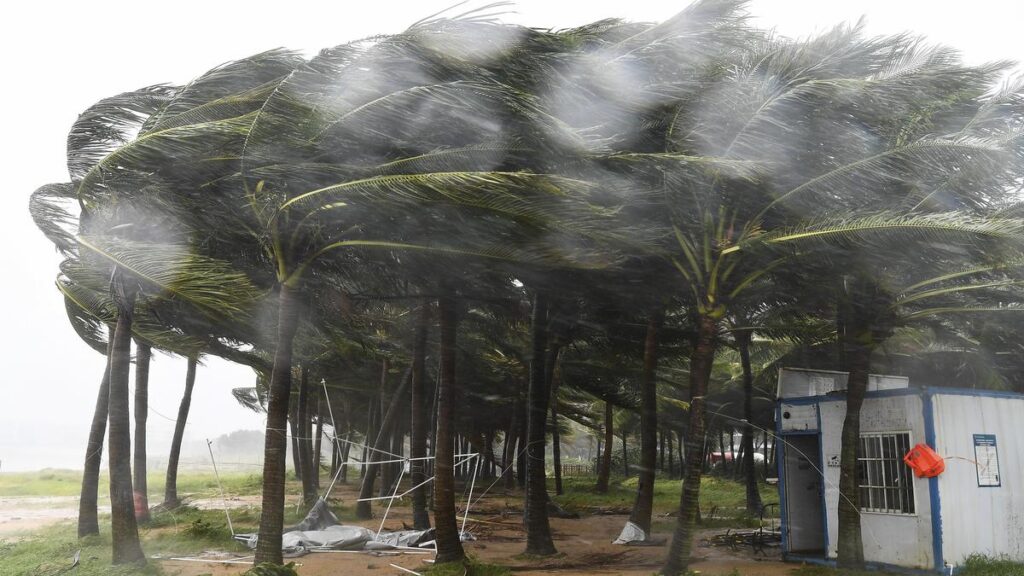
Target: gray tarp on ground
<point x="334" y="537"/>
<point x="320" y="530"/>
<point x="318" y="518"/>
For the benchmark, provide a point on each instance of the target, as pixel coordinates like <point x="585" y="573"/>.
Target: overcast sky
<point x="60" y="58"/>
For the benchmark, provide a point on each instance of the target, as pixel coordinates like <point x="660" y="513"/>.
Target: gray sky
<point x="60" y="58"/>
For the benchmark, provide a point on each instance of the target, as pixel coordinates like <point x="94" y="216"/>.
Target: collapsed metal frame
<point x="461" y="459"/>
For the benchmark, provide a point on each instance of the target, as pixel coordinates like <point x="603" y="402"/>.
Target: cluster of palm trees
<point x="601" y="211"/>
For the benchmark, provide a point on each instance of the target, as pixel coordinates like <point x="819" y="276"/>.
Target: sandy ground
<point x="584" y="544"/>
<point x="26" y="513"/>
<point x="22" y="514"/>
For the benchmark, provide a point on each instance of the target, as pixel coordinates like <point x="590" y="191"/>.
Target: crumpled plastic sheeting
<point x="409" y="538"/>
<point x="631" y="534"/>
<point x="334" y="537"/>
<point x="318" y="518"/>
<point x="320" y="530"/>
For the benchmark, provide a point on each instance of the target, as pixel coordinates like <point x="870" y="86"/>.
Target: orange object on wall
<point x="924" y="461"/>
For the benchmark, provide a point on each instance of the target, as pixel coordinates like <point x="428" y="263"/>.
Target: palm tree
<point x="730" y="135"/>
<point x="419" y="420"/>
<point x="535" y="517"/>
<point x="405" y="166"/>
<point x="171" y="485"/>
<point x="88" y="523"/>
<point x="143" y="353"/>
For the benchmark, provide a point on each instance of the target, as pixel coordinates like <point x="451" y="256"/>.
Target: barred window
<point x="886" y="483"/>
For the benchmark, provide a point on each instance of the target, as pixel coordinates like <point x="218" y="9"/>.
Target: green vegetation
<point x="50" y="549"/>
<point x="181" y="532"/>
<point x="48" y="482"/>
<point x="59" y="482"/>
<point x="978" y="565"/>
<point x="268" y="569"/>
<point x="726" y="497"/>
<point x="469" y="567"/>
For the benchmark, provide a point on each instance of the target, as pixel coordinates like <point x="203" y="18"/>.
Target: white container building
<point x="976" y="506"/>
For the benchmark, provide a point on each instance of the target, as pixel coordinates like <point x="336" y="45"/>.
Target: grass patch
<point x="470" y="567"/>
<point x="727" y="497"/>
<point x="184" y="531"/>
<point x="268" y="569"/>
<point x="50" y="550"/>
<point x="978" y="565"/>
<point x="47" y="482"/>
<point x="197" y="483"/>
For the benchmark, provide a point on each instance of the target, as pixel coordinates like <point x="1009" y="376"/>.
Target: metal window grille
<point x="886" y="483"/>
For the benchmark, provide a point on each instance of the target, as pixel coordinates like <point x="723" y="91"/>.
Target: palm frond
<point x="49" y="207"/>
<point x="89" y="328"/>
<point x="927" y="227"/>
<point x="888" y="165"/>
<point x="110" y="124"/>
<point x="178" y="272"/>
<point x="948" y="310"/>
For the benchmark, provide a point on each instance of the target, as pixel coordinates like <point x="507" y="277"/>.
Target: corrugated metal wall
<point x="902" y="540"/>
<point x="987" y="520"/>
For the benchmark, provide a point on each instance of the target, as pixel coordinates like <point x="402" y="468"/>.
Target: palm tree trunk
<point x="171" y="487"/>
<point x="701" y="360"/>
<point x="604" y="471"/>
<point x="850" y="544"/>
<point x="371" y="421"/>
<point x="489" y="458"/>
<point x="309" y="493"/>
<point x="335" y="458"/>
<point x="682" y="454"/>
<point x="726" y="463"/>
<point x="398" y="449"/>
<point x="521" y="443"/>
<point x="382" y="443"/>
<point x="142" y="357"/>
<point x="268" y="547"/>
<point x="556" y="441"/>
<point x="538" y="529"/>
<point x="418" y="421"/>
<point x="124" y="530"/>
<point x="88" y="522"/>
<point x="293" y="425"/>
<point x="643" y="505"/>
<point x="867" y="320"/>
<point x="671" y="460"/>
<point x="345" y="451"/>
<point x="625" y="457"/>
<point x="317" y="444"/>
<point x="661" y="451"/>
<point x="509" y="456"/>
<point x="449" y="545"/>
<point x="747" y="445"/>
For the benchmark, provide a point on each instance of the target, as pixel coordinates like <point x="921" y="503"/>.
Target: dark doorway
<point x="803" y="489"/>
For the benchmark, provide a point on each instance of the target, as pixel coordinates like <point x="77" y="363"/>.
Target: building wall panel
<point x="902" y="540"/>
<point x="976" y="519"/>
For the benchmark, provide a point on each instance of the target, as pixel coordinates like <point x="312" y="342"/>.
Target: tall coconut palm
<point x="171" y="484"/>
<point x="143" y="353"/>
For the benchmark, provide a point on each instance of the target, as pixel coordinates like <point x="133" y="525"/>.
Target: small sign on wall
<point x="986" y="458"/>
<point x="833" y="461"/>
